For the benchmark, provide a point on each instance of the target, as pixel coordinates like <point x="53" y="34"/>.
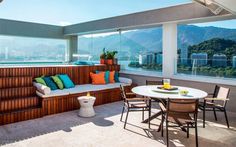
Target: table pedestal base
<point x="153" y="117"/>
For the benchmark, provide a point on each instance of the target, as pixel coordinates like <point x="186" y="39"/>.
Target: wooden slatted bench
<point x="18" y="99"/>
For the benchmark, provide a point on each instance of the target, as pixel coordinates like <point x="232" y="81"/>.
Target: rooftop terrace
<point x="105" y="129"/>
<point x="190" y="42"/>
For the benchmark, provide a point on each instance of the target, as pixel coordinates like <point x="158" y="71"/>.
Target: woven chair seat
<point x="136" y="104"/>
<point x="181" y="118"/>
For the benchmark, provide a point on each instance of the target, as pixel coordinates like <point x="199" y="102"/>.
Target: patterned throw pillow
<point x="58" y="81"/>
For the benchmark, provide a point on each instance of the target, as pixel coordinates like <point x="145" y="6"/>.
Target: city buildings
<point x="234" y="61"/>
<point x="219" y="60"/>
<point x="184" y="56"/>
<point x="199" y="59"/>
<point x="150" y="58"/>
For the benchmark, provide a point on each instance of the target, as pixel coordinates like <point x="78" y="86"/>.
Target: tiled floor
<point x="105" y="130"/>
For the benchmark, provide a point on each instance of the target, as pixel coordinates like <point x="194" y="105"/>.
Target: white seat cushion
<point x="90" y="87"/>
<point x="81" y="89"/>
<point x="53" y="93"/>
<point x="125" y="80"/>
<point x="42" y="88"/>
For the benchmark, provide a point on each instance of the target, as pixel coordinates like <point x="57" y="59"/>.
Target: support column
<point x="73" y="46"/>
<point x="169" y="40"/>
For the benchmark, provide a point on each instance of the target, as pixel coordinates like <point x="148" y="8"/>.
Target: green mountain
<point x="190" y="34"/>
<point x="131" y="43"/>
<point x="215" y="46"/>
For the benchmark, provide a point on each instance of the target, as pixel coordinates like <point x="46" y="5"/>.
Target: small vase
<point x="109" y="61"/>
<point x="102" y="61"/>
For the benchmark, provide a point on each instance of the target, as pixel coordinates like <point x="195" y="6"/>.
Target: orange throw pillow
<point x="98" y="78"/>
<point x="112" y="76"/>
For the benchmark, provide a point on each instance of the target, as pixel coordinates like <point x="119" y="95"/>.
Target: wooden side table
<point x="86" y="106"/>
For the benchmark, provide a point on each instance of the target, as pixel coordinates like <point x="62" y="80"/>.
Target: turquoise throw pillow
<point x="50" y="83"/>
<point x="107" y="76"/>
<point x="83" y="63"/>
<point x="67" y="82"/>
<point x="117" y="77"/>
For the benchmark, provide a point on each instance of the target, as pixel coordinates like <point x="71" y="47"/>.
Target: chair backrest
<point x="222" y="93"/>
<point x="122" y="91"/>
<point x="216" y="91"/>
<point x="149" y="82"/>
<point x="182" y="106"/>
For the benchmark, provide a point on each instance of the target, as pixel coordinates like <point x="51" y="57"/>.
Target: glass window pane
<point x="141" y="50"/>
<point x="207" y="49"/>
<point x="138" y="50"/>
<point x="23" y="49"/>
<point x="91" y="46"/>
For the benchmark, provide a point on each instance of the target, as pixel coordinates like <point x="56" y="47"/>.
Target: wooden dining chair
<point x="179" y="112"/>
<point x="133" y="104"/>
<point x="216" y="103"/>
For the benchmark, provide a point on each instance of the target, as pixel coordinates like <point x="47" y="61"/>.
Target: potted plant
<point x="110" y="56"/>
<point x="103" y="57"/>
<point x="114" y="59"/>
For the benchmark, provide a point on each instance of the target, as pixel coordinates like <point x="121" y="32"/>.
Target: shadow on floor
<point x="221" y="122"/>
<point x="179" y="138"/>
<point x="64" y="121"/>
<point x="214" y="130"/>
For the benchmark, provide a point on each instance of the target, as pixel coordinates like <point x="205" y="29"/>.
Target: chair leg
<point x="226" y="118"/>
<point x="123" y="109"/>
<point x="162" y="125"/>
<point x="215" y="114"/>
<point x="196" y="133"/>
<point x="187" y="130"/>
<point x="204" y="111"/>
<point x="143" y="114"/>
<point x="149" y="114"/>
<point x="126" y="118"/>
<point x="167" y="135"/>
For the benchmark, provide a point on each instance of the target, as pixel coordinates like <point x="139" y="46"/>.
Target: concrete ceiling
<point x="186" y="13"/>
<point x="216" y="6"/>
<point x="181" y="14"/>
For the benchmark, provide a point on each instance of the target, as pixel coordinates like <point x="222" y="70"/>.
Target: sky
<point x="66" y="12"/>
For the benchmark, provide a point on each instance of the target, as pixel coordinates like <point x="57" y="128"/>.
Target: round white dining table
<point x="152" y="91"/>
